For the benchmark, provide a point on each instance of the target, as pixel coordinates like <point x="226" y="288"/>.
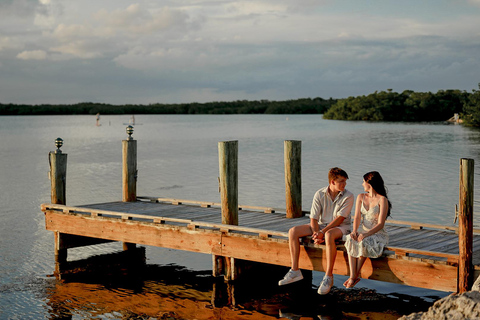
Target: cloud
<point x="7" y="43"/>
<point x="65" y="33"/>
<point x="137" y="19"/>
<point x="84" y="49"/>
<point x="32" y="55"/>
<point x="475" y="2"/>
<point x="211" y="49"/>
<point x="80" y="41"/>
<point x="18" y="8"/>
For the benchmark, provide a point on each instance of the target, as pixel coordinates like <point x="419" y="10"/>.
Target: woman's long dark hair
<point x="376" y="181"/>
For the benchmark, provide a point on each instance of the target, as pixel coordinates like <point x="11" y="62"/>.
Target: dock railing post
<point x="228" y="183"/>
<point x="129" y="173"/>
<point x="58" y="178"/>
<point x="293" y="178"/>
<point x="465" y="226"/>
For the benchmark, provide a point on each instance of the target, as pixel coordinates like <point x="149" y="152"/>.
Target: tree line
<point x="298" y="106"/>
<point x="409" y="106"/>
<point x="378" y="106"/>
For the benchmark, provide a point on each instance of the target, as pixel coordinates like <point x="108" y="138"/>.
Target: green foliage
<point x="471" y="109"/>
<point x="300" y="106"/>
<point x="405" y="106"/>
<point x="378" y="106"/>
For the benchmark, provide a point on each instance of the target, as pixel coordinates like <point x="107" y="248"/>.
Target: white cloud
<point x="32" y="55"/>
<point x="139" y="20"/>
<point x="66" y="33"/>
<point x="6" y="43"/>
<point x="80" y="48"/>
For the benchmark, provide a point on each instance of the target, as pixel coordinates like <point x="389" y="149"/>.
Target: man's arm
<point x="346" y="207"/>
<point x="314" y="225"/>
<point x="319" y="237"/>
<point x="335" y="223"/>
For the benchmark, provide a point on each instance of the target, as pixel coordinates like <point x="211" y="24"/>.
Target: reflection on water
<point x="122" y="286"/>
<point x="178" y="158"/>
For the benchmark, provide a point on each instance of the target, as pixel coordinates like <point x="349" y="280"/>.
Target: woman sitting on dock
<point x="369" y="236"/>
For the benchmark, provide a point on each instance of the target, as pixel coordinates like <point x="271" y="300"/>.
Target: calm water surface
<point x="177" y="157"/>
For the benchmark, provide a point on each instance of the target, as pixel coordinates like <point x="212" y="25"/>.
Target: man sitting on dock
<point x="329" y="221"/>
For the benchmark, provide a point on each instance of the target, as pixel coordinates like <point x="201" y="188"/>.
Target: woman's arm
<point x="358" y="217"/>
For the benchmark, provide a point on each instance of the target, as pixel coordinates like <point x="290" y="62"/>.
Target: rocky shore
<point x="462" y="306"/>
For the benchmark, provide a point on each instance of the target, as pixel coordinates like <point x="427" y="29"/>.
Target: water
<point x="178" y="158"/>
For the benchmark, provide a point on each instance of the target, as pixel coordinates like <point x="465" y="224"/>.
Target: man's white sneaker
<point x="325" y="285"/>
<point x="291" y="276"/>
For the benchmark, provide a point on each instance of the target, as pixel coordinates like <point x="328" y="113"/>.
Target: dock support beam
<point x="293" y="178"/>
<point x="465" y="226"/>
<point x="58" y="178"/>
<point x="228" y="183"/>
<point x="129" y="173"/>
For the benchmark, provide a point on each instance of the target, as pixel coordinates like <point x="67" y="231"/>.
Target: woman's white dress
<point x="371" y="246"/>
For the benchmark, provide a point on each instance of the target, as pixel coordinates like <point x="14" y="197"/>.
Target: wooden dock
<point x="419" y="255"/>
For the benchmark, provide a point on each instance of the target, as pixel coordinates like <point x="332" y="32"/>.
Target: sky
<point x="127" y="52"/>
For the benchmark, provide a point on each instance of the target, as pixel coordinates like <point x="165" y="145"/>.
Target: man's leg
<point x="331" y="252"/>
<point x="294" y="235"/>
<point x="330" y="237"/>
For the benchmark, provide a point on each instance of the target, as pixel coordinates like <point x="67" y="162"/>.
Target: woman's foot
<point x="350" y="283"/>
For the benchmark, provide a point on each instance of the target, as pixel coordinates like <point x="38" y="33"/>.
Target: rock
<point x="476" y="285"/>
<point x="462" y="306"/>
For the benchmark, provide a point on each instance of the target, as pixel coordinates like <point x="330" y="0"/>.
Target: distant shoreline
<point x="408" y="106"/>
<point x="298" y="106"/>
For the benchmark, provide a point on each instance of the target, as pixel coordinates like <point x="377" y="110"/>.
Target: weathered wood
<point x="465" y="225"/>
<point x="293" y="178"/>
<point x="420" y="225"/>
<point x="228" y="245"/>
<point x="160" y="235"/>
<point x="228" y="170"/>
<point x="129" y="176"/>
<point x="205" y="204"/>
<point x="58" y="177"/>
<point x="451" y="258"/>
<point x="129" y="171"/>
<point x="148" y="218"/>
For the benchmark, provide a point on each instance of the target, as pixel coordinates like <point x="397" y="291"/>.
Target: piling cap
<point x="58" y="144"/>
<point x="129" y="130"/>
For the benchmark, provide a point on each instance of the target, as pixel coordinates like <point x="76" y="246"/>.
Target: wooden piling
<point x="465" y="226"/>
<point x="58" y="178"/>
<point x="228" y="180"/>
<point x="129" y="173"/>
<point x="228" y="170"/>
<point x="58" y="175"/>
<point x="293" y="178"/>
